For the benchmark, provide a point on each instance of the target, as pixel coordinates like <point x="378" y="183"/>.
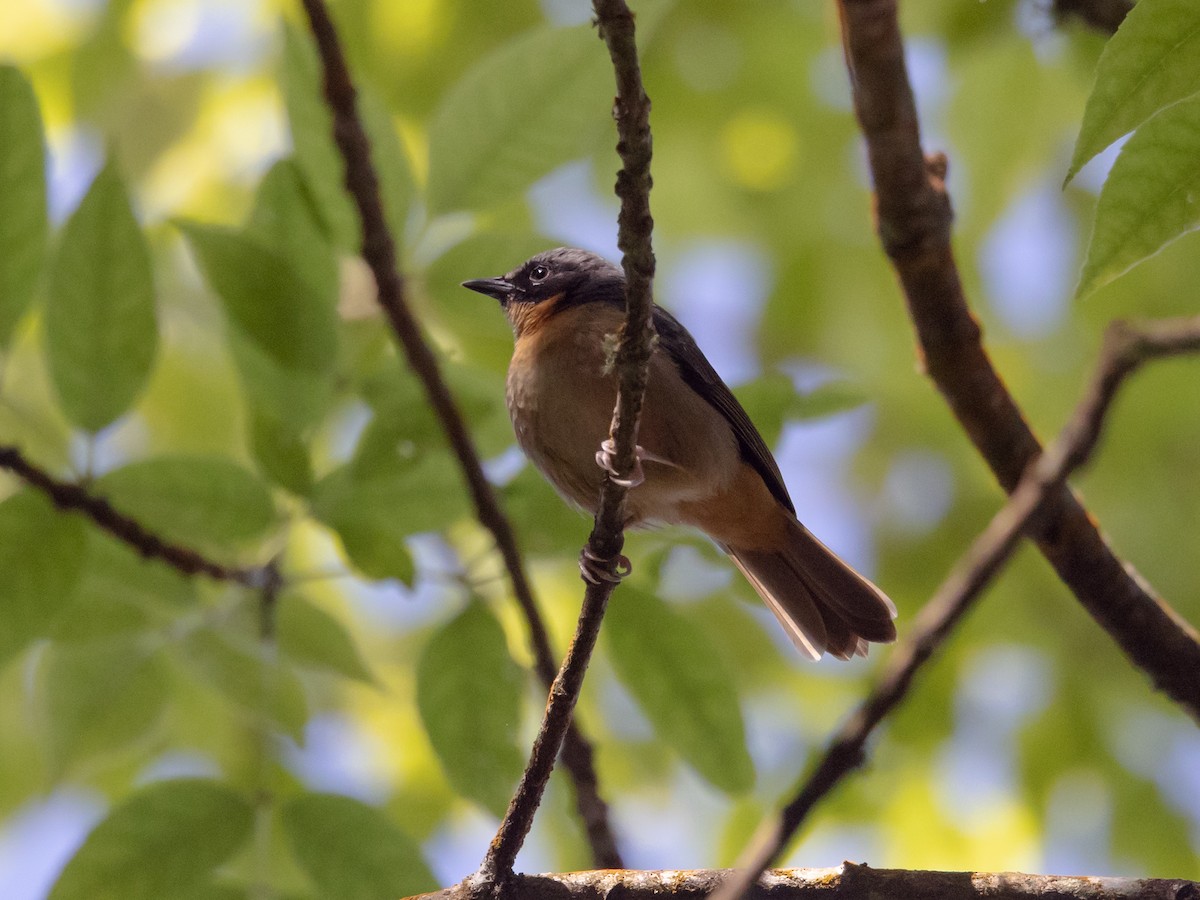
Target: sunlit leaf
<point x="122" y="593"/>
<point x="312" y="137"/>
<point x="312" y="637"/>
<point x="101" y="332"/>
<point x="352" y="851"/>
<point x="374" y="511"/>
<point x="249" y="675"/>
<point x="772" y="400"/>
<point x="1158" y="850"/>
<point x="202" y="499"/>
<point x="680" y="682"/>
<point x="23" y="187"/>
<point x="163" y="841"/>
<point x="548" y="524"/>
<point x="1151" y="197"/>
<point x="281" y="452"/>
<point x="295" y="398"/>
<point x="396" y="187"/>
<point x="266" y="298"/>
<point x="100" y="695"/>
<point x="403" y="414"/>
<point x="469" y="695"/>
<point x="530" y="106"/>
<point x="285" y="218"/>
<point x="41" y="558"/>
<point x="1151" y="62"/>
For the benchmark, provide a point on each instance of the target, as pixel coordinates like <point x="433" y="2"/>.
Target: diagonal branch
<point x="70" y="496"/>
<point x="1126" y="348"/>
<point x="914" y="226"/>
<point x="379" y="251"/>
<point x="632" y="112"/>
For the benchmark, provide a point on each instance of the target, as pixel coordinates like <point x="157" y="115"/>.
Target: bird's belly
<point x="561" y="400"/>
<point x="560" y="418"/>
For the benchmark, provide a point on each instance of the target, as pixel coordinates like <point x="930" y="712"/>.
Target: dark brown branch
<point x="914" y="225"/>
<point x="69" y="496"/>
<point x="632" y="112"/>
<point x="379" y="251"/>
<point x="496" y="868"/>
<point x="1103" y="15"/>
<point x="1125" y="349"/>
<point x="848" y="881"/>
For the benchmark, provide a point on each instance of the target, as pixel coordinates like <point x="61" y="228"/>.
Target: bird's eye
<point x="538" y="273"/>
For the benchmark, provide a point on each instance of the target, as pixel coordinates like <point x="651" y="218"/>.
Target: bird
<point x="700" y="460"/>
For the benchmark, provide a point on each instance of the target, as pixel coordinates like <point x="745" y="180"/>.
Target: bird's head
<point x="550" y="282"/>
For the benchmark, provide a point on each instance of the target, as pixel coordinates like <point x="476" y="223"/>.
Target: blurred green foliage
<point x="259" y="409"/>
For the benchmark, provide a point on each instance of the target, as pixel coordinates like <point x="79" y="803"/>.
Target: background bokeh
<point x="1029" y="744"/>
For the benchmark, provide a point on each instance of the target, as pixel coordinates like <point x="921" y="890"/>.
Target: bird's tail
<point x="822" y="603"/>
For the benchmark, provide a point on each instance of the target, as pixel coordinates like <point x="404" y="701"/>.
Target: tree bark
<point x="849" y="880"/>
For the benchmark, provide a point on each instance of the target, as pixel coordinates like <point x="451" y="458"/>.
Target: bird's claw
<point x="604" y="459"/>
<point x="595" y="570"/>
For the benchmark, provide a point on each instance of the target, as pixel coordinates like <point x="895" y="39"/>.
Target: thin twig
<point x="846" y="882"/>
<point x="261" y="738"/>
<point x="379" y="251"/>
<point x="632" y="112"/>
<point x="1125" y="349"/>
<point x="914" y="226"/>
<point x="70" y="496"/>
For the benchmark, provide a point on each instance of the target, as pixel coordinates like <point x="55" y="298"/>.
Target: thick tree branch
<point x="914" y="225"/>
<point x="1103" y="15"/>
<point x="69" y="496"/>
<point x="1125" y="349"/>
<point x="848" y="881"/>
<point x="379" y="251"/>
<point x="632" y="112"/>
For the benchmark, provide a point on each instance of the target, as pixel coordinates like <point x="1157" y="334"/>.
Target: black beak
<point x="498" y="288"/>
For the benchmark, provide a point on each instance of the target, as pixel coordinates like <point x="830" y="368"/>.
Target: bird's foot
<point x="595" y="570"/>
<point x="604" y="459"/>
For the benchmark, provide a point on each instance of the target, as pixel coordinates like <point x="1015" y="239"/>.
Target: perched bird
<point x="701" y="461"/>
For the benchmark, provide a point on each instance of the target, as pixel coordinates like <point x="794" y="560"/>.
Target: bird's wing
<point x="699" y="374"/>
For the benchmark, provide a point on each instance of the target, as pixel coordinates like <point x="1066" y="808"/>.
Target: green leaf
<point x="285" y="218"/>
<point x="281" y="452"/>
<point x="100" y="695"/>
<point x="248" y="675"/>
<point x="772" y="400"/>
<point x="537" y="102"/>
<point x="162" y="842"/>
<point x="292" y="396"/>
<point x="1151" y="62"/>
<point x="121" y="593"/>
<point x="373" y="546"/>
<point x="209" y="500"/>
<point x="548" y="525"/>
<point x="312" y="637"/>
<point x="403" y="414"/>
<point x="396" y="184"/>
<point x="266" y="298"/>
<point x="312" y="138"/>
<point x="680" y="682"/>
<point x="101" y="333"/>
<point x="23" y="187"/>
<point x="469" y="696"/>
<point x="352" y="851"/>
<point x="1152" y="196"/>
<point x="373" y="511"/>
<point x="42" y="553"/>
